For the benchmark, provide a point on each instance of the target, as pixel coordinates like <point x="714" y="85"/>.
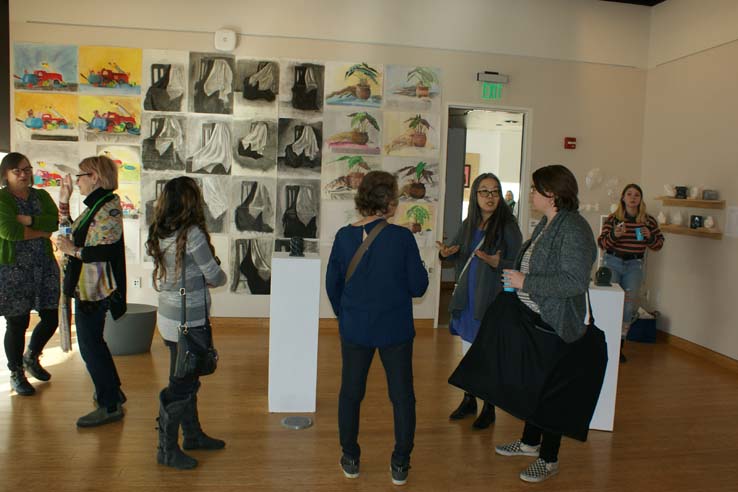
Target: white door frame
<point x="525" y="173"/>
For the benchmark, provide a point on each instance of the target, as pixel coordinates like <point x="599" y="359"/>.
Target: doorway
<point x="480" y="140"/>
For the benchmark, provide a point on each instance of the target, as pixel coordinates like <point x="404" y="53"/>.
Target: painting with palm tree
<point x="353" y="84"/>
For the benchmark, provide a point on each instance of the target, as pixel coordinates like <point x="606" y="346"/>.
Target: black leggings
<point x="549" y="441"/>
<point x="179" y="388"/>
<point x="15" y="335"/>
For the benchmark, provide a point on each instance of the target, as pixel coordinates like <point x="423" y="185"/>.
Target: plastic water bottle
<point x="65" y="227"/>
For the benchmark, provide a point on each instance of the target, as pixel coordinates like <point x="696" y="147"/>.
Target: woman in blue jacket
<point x="488" y="241"/>
<point x="375" y="311"/>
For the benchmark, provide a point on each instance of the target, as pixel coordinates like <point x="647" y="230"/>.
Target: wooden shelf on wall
<point x="670" y="201"/>
<point x="686" y="231"/>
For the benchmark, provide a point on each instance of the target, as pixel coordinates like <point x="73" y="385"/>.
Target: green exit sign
<point x="491" y="90"/>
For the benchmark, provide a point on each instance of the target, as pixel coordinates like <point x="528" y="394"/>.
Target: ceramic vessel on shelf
<point x="676" y="218"/>
<point x="694" y="192"/>
<point x="669" y="190"/>
<point x="709" y="222"/>
<point x="661" y="218"/>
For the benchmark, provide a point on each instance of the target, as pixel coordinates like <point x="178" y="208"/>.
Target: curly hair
<point x="179" y="207"/>
<point x="377" y="191"/>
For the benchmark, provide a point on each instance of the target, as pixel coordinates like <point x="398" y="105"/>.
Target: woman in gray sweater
<point x="178" y="232"/>
<point x="551" y="281"/>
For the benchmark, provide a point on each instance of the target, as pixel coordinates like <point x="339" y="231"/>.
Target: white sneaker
<point x="517" y="448"/>
<point x="539" y="470"/>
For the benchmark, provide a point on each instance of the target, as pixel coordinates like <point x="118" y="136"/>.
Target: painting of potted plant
<point x="419" y="126"/>
<point x="355" y="164"/>
<point x="418" y="216"/>
<point x="360" y="122"/>
<point x="418" y="173"/>
<point x="367" y="79"/>
<point x="424" y="79"/>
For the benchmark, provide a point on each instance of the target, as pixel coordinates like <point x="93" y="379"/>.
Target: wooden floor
<point x="676" y="428"/>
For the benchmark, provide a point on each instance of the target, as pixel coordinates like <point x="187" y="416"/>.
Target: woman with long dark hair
<point x="488" y="241"/>
<point x="626" y="236"/>
<point x="178" y="233"/>
<point x="29" y="275"/>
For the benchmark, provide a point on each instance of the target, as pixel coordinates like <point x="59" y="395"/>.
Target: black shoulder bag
<point x="196" y="354"/>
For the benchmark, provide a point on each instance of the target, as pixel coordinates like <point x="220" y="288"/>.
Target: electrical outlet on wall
<point x="137" y="282"/>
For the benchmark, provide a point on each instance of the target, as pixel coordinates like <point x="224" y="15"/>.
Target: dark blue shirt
<point x="375" y="307"/>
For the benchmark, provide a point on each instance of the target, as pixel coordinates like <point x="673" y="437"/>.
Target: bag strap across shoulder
<point x="183" y="294"/>
<point x="591" y="320"/>
<point x="363" y="248"/>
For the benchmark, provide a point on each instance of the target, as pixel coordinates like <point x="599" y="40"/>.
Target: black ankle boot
<point x="168" y="453"/>
<point x="486" y="417"/>
<point x="468" y="406"/>
<point x="193" y="436"/>
<point x="33" y="366"/>
<point x="622" y="355"/>
<point x="19" y="383"/>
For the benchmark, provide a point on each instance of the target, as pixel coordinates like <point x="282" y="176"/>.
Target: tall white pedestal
<point x="607" y="304"/>
<point x="293" y="333"/>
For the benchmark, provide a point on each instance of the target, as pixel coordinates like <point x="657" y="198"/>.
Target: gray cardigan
<point x="489" y="280"/>
<point x="200" y="268"/>
<point x="560" y="268"/>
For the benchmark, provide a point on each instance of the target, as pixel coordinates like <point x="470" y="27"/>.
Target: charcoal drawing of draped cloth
<point x="216" y="204"/>
<point x="254" y="207"/>
<point x="164" y="149"/>
<point x="254" y="143"/>
<point x="216" y="150"/>
<point x="305" y="150"/>
<point x="253" y="263"/>
<point x="305" y="88"/>
<point x="214" y="87"/>
<point x="300" y="216"/>
<point x="261" y="85"/>
<point x="167" y="88"/>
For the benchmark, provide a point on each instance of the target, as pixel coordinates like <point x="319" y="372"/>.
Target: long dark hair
<point x="179" y="207"/>
<point x="495" y="228"/>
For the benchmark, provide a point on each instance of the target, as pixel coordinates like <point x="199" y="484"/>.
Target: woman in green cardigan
<point x="29" y="275"/>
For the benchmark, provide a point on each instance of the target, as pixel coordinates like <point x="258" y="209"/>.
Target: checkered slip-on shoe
<point x="517" y="448"/>
<point x="539" y="470"/>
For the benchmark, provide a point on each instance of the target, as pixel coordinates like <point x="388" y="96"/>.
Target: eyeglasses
<point x="489" y="193"/>
<point x="83" y="174"/>
<point x="25" y="170"/>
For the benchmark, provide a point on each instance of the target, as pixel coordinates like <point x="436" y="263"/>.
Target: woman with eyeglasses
<point x="95" y="276"/>
<point x="487" y="242"/>
<point x="29" y="275"/>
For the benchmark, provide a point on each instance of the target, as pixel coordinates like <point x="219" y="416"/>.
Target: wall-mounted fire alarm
<point x="570" y="143"/>
<point x="225" y="40"/>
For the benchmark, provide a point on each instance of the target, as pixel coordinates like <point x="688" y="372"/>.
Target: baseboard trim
<point x="698" y="350"/>
<point x="332" y="323"/>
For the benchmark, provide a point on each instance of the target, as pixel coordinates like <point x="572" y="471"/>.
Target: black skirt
<point x="518" y="363"/>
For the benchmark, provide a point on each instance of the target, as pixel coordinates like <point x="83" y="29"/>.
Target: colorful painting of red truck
<point x="38" y="67"/>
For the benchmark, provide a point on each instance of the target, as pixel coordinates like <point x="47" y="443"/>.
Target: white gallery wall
<point x="691" y="122"/>
<point x="600" y="102"/>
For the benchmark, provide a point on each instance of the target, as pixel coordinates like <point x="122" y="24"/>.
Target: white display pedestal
<point x="607" y="304"/>
<point x="293" y="333"/>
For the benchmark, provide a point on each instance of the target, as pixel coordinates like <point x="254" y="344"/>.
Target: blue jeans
<point x="90" y="322"/>
<point x="629" y="274"/>
<point x="398" y="366"/>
